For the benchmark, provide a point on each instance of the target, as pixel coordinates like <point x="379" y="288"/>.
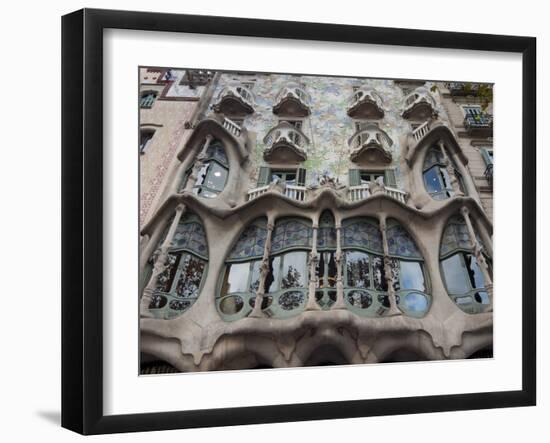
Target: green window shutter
<point x="389" y="178"/>
<point x="354" y="177"/>
<point x="264" y="176"/>
<point x="486" y="157"/>
<point x="301" y="176"/>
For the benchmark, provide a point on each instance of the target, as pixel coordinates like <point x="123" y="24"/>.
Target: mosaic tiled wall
<point x="328" y="127"/>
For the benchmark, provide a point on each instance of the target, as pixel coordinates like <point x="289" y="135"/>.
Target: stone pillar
<point x="313" y="260"/>
<point x="451" y="170"/>
<point x="264" y="270"/>
<point x="477" y="249"/>
<point x="340" y="304"/>
<point x="161" y="263"/>
<point x="198" y="164"/>
<point x="394" y="310"/>
<point x="469" y="183"/>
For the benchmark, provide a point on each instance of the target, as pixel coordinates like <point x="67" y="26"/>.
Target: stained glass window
<point x="400" y="242"/>
<point x="251" y="242"/>
<point x="364" y="234"/>
<point x="178" y="286"/>
<point x="455" y="236"/>
<point x="291" y="233"/>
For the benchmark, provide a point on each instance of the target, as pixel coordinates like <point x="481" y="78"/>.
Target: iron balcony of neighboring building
<point x="235" y="100"/>
<point x="292" y="100"/>
<point x="457" y="89"/>
<point x="489" y="174"/>
<point x="479" y="125"/>
<point x="285" y="144"/>
<point x="365" y="103"/>
<point x="370" y="144"/>
<point x="419" y="104"/>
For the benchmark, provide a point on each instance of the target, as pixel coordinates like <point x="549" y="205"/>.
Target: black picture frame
<point x="82" y="219"/>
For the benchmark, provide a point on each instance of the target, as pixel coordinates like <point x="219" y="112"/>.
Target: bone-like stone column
<point x="160" y="263"/>
<point x="198" y="164"/>
<point x="339" y="271"/>
<point x="313" y="260"/>
<point x="477" y="248"/>
<point x="394" y="310"/>
<point x="264" y="271"/>
<point x="451" y="170"/>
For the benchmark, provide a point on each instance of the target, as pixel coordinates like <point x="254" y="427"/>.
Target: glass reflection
<point x="412" y="276"/>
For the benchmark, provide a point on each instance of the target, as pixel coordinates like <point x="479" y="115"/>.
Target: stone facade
<point x="304" y="220"/>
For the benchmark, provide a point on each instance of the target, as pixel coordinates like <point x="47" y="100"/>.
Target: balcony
<point x="489" y="174"/>
<point x="419" y="105"/>
<point x="463" y="89"/>
<point x="292" y="101"/>
<point x="370" y="144"/>
<point x="286" y="144"/>
<point x="479" y="125"/>
<point x="235" y="100"/>
<point x="365" y="103"/>
<point x="362" y="192"/>
<point x="294" y="192"/>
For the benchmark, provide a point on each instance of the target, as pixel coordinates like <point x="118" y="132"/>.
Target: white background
<point x="30" y="178"/>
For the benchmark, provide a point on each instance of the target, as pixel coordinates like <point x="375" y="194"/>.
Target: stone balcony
<point x="292" y="100"/>
<point x="349" y="193"/>
<point x="365" y="103"/>
<point x="419" y="105"/>
<point x="235" y="100"/>
<point x="285" y="144"/>
<point x="370" y="144"/>
<point x="479" y="125"/>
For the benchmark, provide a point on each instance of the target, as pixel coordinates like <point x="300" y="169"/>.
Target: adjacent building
<point x="303" y="220"/>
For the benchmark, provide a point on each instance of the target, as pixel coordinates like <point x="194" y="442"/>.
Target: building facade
<point x="302" y="220"/>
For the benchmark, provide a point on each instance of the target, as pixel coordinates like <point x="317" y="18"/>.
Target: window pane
<point x="394" y="266"/>
<point x="216" y="177"/>
<point x="255" y="277"/>
<point x="412" y="276"/>
<point x="474" y="272"/>
<point x="357" y="268"/>
<point x="165" y="279"/>
<point x="415" y="302"/>
<point x="236" y="278"/>
<point x="456" y="276"/>
<point x="431" y="179"/>
<point x="379" y="274"/>
<point x="294" y="270"/>
<point x="272" y="278"/>
<point x="190" y="277"/>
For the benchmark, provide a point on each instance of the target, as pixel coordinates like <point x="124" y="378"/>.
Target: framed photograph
<point x="271" y="221"/>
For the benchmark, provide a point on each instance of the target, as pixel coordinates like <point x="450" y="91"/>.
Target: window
<point x="212" y="177"/>
<point x="464" y="279"/>
<point x="294" y="122"/>
<point x="147" y="99"/>
<point x="293" y="177"/>
<point x="178" y="286"/>
<point x="365" y="279"/>
<point x="487" y="154"/>
<point x="241" y="277"/>
<point x="288" y="276"/>
<point x="145" y="137"/>
<point x="360" y="177"/>
<point x="326" y="269"/>
<point x="436" y="176"/>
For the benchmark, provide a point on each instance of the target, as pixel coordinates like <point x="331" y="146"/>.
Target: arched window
<point x="365" y="283"/>
<point x="365" y="279"/>
<point x="464" y="279"/>
<point x="326" y="270"/>
<point x="288" y="277"/>
<point x="436" y="176"/>
<point x="241" y="277"/>
<point x="212" y="177"/>
<point x="408" y="272"/>
<point x="180" y="283"/>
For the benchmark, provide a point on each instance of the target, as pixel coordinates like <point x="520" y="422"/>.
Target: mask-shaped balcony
<point x="419" y="105"/>
<point x="370" y="144"/>
<point x="457" y="89"/>
<point x="285" y="144"/>
<point x="235" y="100"/>
<point x="365" y="103"/>
<point x="479" y="124"/>
<point x="292" y="101"/>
